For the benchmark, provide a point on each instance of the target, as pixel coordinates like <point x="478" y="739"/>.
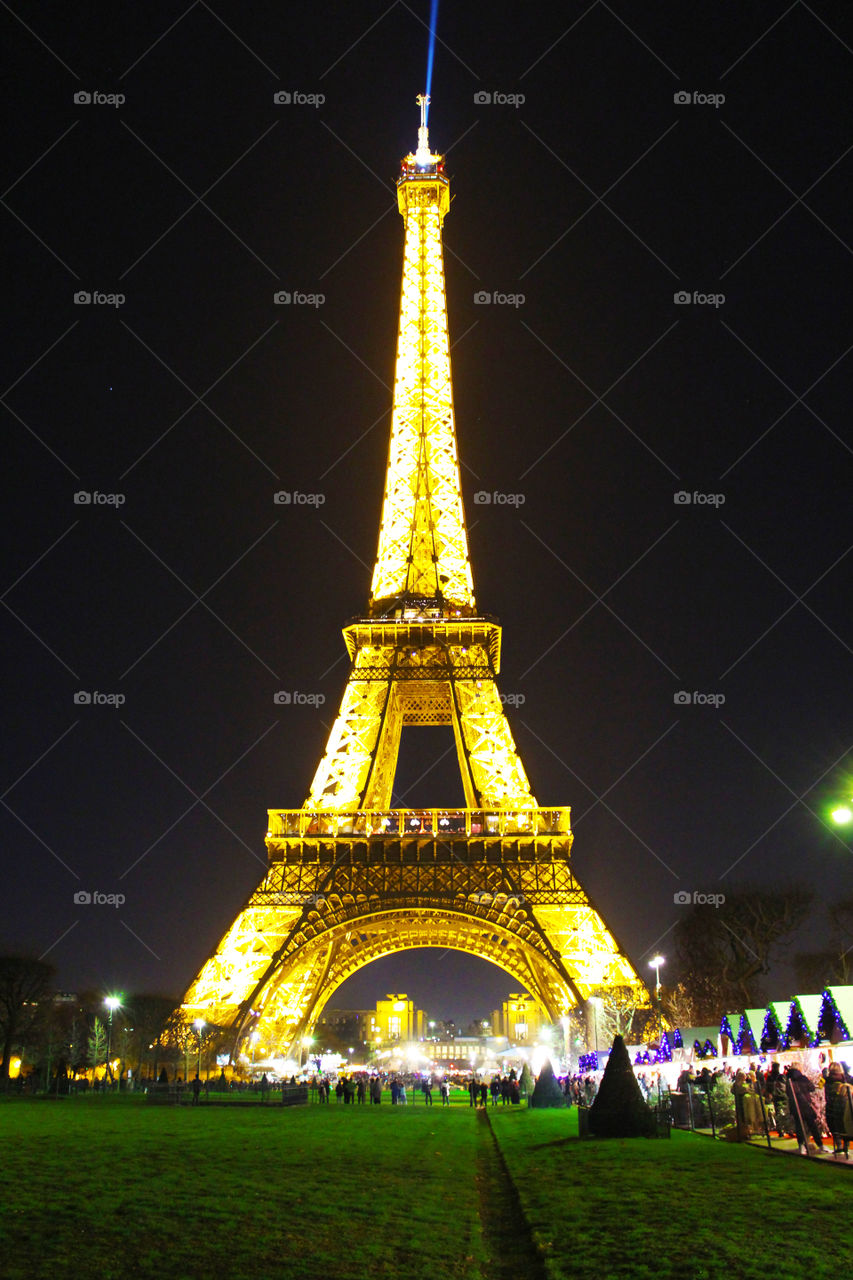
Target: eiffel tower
<point x="350" y="879"/>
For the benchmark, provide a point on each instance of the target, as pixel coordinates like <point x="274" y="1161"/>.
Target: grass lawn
<point x="115" y="1187"/>
<point x="688" y="1207"/>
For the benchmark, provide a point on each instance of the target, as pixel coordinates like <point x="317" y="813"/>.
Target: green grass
<point x="688" y="1207"/>
<point x="114" y="1187"/>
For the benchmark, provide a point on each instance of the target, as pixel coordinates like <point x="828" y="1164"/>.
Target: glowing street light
<point x="112" y="1002"/>
<point x="199" y="1025"/>
<point x="842" y="815"/>
<point x="655" y="963"/>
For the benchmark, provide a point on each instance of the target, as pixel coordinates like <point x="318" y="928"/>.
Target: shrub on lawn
<point x="547" y="1091"/>
<point x="619" y="1110"/>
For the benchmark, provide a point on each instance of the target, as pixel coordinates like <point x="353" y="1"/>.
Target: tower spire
<point x="422" y="558"/>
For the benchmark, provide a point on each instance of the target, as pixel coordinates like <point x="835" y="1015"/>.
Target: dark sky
<point x="597" y="398"/>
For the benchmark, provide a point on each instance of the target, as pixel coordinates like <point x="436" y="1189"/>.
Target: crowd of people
<point x="786" y="1101"/>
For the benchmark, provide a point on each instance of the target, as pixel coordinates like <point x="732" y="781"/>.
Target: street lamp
<point x="842" y="815"/>
<point x="199" y="1025"/>
<point x="596" y="1002"/>
<point x="112" y="1002"/>
<point x="655" y="963"/>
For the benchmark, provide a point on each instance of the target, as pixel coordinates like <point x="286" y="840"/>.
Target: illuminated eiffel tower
<point x="349" y="878"/>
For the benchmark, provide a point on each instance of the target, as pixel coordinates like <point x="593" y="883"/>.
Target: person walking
<point x="196" y="1088"/>
<point x="444" y="1090"/>
<point x="376" y="1090"/>
<point x="360" y="1089"/>
<point x="427" y="1090"/>
<point x="472" y="1091"/>
<point x="839" y="1110"/>
<point x="799" y="1088"/>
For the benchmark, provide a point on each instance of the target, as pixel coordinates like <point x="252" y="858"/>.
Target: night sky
<point x="595" y="399"/>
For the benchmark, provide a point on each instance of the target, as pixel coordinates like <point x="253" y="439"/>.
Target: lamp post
<point x="112" y="1002"/>
<point x="655" y="963"/>
<point x="842" y="814"/>
<point x="595" y="1001"/>
<point x="199" y="1025"/>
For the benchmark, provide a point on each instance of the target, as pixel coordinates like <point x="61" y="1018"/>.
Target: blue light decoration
<point x="831" y="1023"/>
<point x="731" y="1036"/>
<point x="706" y="1050"/>
<point x="664" y="1053"/>
<point x="773" y="1035"/>
<point x="433" y="21"/>
<point x="798" y="1027"/>
<point x="677" y="1042"/>
<point x="587" y="1062"/>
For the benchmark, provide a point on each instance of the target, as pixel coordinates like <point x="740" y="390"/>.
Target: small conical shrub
<point x="619" y="1109"/>
<point x="547" y="1091"/>
<point x="525" y="1083"/>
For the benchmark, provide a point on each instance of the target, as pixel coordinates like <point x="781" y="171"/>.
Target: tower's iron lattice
<point x="350" y="879"/>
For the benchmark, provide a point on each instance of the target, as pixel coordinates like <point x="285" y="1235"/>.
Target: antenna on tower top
<point x="422" y="155"/>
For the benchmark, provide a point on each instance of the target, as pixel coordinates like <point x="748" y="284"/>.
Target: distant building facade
<point x="396" y="1019"/>
<point x="519" y="1019"/>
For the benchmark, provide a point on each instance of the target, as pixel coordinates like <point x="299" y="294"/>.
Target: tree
<point x="547" y="1091"/>
<point x="25" y="989"/>
<point x="724" y="951"/>
<point x="619" y="1109"/>
<point x="97" y="1044"/>
<point x="834" y="964"/>
<point x="149" y="1019"/>
<point x="620" y="1011"/>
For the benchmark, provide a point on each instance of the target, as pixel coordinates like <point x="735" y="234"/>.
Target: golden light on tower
<point x="351" y="879"/>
